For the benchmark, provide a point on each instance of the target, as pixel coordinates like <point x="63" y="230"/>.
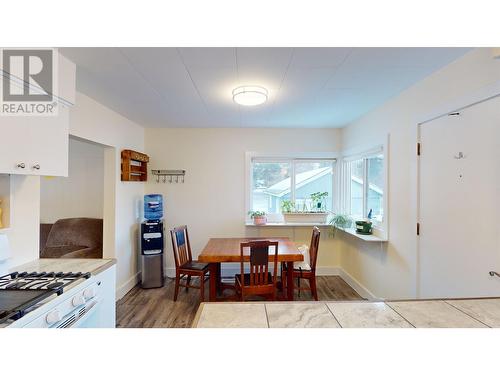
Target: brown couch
<point x="71" y="238"/>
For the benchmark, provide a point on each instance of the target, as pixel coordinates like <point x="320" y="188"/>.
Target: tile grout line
<point x="334" y="317"/>
<point x="267" y="317"/>
<point x="397" y="312"/>
<point x="463" y="312"/>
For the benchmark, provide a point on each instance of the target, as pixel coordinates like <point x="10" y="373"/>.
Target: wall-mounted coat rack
<point x="169" y="175"/>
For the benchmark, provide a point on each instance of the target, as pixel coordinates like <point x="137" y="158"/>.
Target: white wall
<point x="212" y="199"/>
<point x="122" y="200"/>
<point x="391" y="272"/>
<point x="24" y="230"/>
<point x="81" y="193"/>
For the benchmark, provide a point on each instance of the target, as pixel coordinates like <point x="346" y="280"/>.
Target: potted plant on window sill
<point x="259" y="217"/>
<point x="316" y="215"/>
<point x="340" y="221"/>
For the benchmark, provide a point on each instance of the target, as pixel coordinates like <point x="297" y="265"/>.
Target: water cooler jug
<point x="152" y="242"/>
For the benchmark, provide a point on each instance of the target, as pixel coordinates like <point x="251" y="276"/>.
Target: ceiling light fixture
<point x="250" y="95"/>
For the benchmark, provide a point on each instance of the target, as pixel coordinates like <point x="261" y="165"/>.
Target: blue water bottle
<point x="153" y="207"/>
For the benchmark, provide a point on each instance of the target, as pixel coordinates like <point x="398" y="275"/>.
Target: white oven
<point x="89" y="304"/>
<point x="74" y="308"/>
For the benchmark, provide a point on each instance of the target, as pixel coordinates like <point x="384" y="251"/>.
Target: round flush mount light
<point x="250" y="95"/>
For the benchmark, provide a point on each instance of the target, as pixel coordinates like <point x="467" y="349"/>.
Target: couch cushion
<point x="80" y="232"/>
<point x="44" y="234"/>
<point x="59" y="251"/>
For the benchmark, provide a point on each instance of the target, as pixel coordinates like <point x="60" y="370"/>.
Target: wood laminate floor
<point x="155" y="308"/>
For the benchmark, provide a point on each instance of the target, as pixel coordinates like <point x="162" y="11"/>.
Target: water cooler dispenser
<point x="152" y="242"/>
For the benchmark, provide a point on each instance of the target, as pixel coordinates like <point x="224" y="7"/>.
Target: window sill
<point x="350" y="231"/>
<point x="364" y="237"/>
<point x="288" y="225"/>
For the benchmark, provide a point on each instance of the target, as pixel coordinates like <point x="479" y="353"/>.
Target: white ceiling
<point x="309" y="87"/>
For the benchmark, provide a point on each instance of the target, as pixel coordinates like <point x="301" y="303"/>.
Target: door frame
<point x="482" y="95"/>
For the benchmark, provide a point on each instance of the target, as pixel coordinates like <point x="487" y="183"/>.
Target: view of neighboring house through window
<point x="274" y="181"/>
<point x="270" y="182"/>
<point x="366" y="187"/>
<point x="313" y="176"/>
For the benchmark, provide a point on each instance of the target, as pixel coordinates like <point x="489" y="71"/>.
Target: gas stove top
<point x="20" y="291"/>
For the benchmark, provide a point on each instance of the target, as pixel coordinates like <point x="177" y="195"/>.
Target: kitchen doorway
<point x="72" y="208"/>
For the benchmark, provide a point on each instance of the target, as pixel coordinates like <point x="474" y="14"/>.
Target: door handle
<point x="493" y="273"/>
<point x="21" y="165"/>
<point x="37" y="167"/>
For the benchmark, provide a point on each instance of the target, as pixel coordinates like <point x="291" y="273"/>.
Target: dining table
<point x="227" y="250"/>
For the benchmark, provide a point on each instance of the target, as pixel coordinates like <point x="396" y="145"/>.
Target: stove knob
<point x="78" y="300"/>
<point x="53" y="317"/>
<point x="89" y="293"/>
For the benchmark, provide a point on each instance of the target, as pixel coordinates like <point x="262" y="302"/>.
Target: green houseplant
<point x="287" y="206"/>
<point x="340" y="221"/>
<point x="259" y="217"/>
<point x="317" y="201"/>
<point x="304" y="215"/>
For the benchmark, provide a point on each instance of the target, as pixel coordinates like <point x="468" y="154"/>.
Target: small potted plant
<point x="259" y="217"/>
<point x="317" y="201"/>
<point x="340" y="221"/>
<point x="316" y="214"/>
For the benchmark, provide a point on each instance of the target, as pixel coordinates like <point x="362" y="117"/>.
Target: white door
<point x="459" y="239"/>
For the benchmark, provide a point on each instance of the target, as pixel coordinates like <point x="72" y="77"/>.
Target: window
<point x="276" y="180"/>
<point x="271" y="184"/>
<point x="365" y="186"/>
<point x="375" y="183"/>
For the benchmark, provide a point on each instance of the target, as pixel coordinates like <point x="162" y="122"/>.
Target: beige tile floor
<point x="478" y="313"/>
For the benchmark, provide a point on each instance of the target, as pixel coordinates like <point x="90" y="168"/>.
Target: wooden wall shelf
<point x="134" y="166"/>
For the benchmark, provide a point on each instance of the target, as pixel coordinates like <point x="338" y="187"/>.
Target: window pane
<point x="375" y="199"/>
<point x="357" y="188"/>
<point x="271" y="184"/>
<point x="313" y="177"/>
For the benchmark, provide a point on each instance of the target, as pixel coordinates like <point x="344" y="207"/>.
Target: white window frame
<point x="250" y="157"/>
<point x="380" y="227"/>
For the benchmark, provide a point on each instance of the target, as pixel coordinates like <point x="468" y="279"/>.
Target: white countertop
<point x="94" y="266"/>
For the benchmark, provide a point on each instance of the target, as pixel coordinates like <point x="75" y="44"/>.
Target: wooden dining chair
<point x="259" y="281"/>
<point x="185" y="266"/>
<point x="309" y="274"/>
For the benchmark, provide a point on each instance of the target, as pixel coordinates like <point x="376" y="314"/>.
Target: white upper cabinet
<point x="38" y="145"/>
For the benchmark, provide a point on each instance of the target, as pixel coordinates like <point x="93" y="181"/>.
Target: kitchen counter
<point x="96" y="309"/>
<point x="94" y="266"/>
<point x="466" y="313"/>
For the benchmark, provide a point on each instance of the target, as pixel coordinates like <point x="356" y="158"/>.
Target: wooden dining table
<point x="222" y="250"/>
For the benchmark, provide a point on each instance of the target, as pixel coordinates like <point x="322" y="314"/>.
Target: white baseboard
<point x="127" y="286"/>
<point x="363" y="291"/>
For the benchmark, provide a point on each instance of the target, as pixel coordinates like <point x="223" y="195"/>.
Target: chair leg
<point x="312" y="284"/>
<point x="188" y="282"/>
<point x="176" y="289"/>
<point x="298" y="285"/>
<point x="283" y="281"/>
<point x="202" y="287"/>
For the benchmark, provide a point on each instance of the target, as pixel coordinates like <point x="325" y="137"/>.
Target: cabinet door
<point x="38" y="143"/>
<point x="48" y="154"/>
<point x="14" y="145"/>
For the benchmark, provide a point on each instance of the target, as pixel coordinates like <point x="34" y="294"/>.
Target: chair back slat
<point x="313" y="249"/>
<point x="259" y="262"/>
<point x="181" y="245"/>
